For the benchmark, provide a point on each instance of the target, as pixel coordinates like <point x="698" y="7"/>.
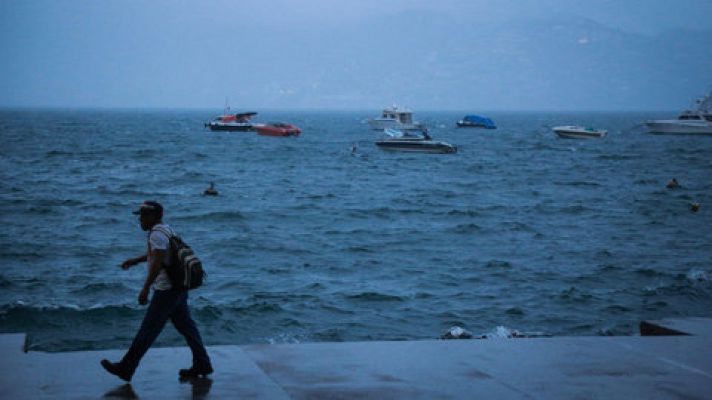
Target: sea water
<point x="325" y="237"/>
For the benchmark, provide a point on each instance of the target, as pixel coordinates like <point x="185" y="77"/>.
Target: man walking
<point x="167" y="302"/>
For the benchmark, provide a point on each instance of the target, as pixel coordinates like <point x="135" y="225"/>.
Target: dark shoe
<point x="116" y="369"/>
<point x="196" y="371"/>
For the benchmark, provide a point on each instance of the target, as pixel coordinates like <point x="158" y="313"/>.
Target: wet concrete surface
<point x="633" y="367"/>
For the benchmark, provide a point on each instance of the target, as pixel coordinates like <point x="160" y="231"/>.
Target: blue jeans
<point x="166" y="304"/>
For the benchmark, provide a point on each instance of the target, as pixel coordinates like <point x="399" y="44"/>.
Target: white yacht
<point x="395" y="118"/>
<point x="579" y="132"/>
<point x="690" y="122"/>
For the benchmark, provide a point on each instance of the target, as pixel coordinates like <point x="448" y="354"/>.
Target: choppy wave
<point x="5" y="283"/>
<point x="498" y="264"/>
<point x="649" y="272"/>
<point x="385" y="212"/>
<point x="100" y="287"/>
<point x="578" y="184"/>
<point x="465" y="228"/>
<point x="63" y="313"/>
<point x="216" y="216"/>
<point x="573" y="294"/>
<point x="698" y="275"/>
<point x="502" y="332"/>
<point x="463" y="213"/>
<point x="618" y="157"/>
<point x="374" y="296"/>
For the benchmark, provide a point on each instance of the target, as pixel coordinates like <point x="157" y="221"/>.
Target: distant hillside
<point x="142" y="54"/>
<point x="437" y="62"/>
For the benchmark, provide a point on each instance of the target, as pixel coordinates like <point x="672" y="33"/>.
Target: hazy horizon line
<point x="320" y="109"/>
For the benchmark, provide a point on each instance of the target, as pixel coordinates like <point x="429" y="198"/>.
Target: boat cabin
<point x="401" y="115"/>
<point x="703" y="111"/>
<point x="689" y="115"/>
<point x="239" y="117"/>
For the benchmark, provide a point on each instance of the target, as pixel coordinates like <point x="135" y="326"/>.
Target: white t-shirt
<point x="158" y="240"/>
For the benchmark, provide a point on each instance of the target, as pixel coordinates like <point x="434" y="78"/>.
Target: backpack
<point x="186" y="271"/>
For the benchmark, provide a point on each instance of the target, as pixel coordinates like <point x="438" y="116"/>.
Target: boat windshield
<point x="393" y="133"/>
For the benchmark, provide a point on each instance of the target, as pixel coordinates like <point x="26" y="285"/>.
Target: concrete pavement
<point x="630" y="367"/>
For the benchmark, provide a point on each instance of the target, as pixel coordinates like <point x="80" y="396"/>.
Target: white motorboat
<point x="395" y="118"/>
<point x="408" y="142"/>
<point x="579" y="132"/>
<point x="690" y="122"/>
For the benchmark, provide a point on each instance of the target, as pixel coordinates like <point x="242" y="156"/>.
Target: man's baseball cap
<point x="150" y="207"/>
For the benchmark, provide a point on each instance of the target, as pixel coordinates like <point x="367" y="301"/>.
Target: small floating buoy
<point x="211" y="191"/>
<point x="673" y="184"/>
<point x="694" y="207"/>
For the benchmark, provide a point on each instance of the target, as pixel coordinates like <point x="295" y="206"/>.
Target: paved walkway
<point x="632" y="367"/>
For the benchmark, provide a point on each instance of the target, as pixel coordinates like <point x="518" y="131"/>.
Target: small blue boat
<point x="475" y="121"/>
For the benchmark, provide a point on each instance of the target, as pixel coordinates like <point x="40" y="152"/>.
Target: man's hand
<point x="128" y="263"/>
<point x="143" y="297"/>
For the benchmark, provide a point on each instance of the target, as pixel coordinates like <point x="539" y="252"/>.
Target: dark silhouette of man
<point x="167" y="302"/>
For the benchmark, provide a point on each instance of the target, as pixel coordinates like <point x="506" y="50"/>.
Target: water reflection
<point x="124" y="391"/>
<point x="201" y="386"/>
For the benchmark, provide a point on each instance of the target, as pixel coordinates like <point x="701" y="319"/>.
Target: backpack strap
<point x="170" y="234"/>
<point x="163" y="231"/>
<point x="171" y="238"/>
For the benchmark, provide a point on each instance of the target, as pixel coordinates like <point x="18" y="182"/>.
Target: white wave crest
<point x="502" y="332"/>
<point x="284" y="338"/>
<point x="698" y="275"/>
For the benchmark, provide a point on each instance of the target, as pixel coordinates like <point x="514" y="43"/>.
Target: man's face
<point x="147" y="220"/>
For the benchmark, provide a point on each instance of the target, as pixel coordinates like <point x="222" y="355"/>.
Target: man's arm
<point x="153" y="269"/>
<point x="133" y="261"/>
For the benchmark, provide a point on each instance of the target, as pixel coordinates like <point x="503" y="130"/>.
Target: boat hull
<point x="273" y="131"/>
<point x="679" y="127"/>
<point x="230" y="127"/>
<point x="378" y="124"/>
<point x="579" y="132"/>
<point x="431" y="147"/>
<point x="579" y="135"/>
<point x="465" y="124"/>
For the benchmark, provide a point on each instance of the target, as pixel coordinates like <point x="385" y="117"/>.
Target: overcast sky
<point x="356" y="54"/>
